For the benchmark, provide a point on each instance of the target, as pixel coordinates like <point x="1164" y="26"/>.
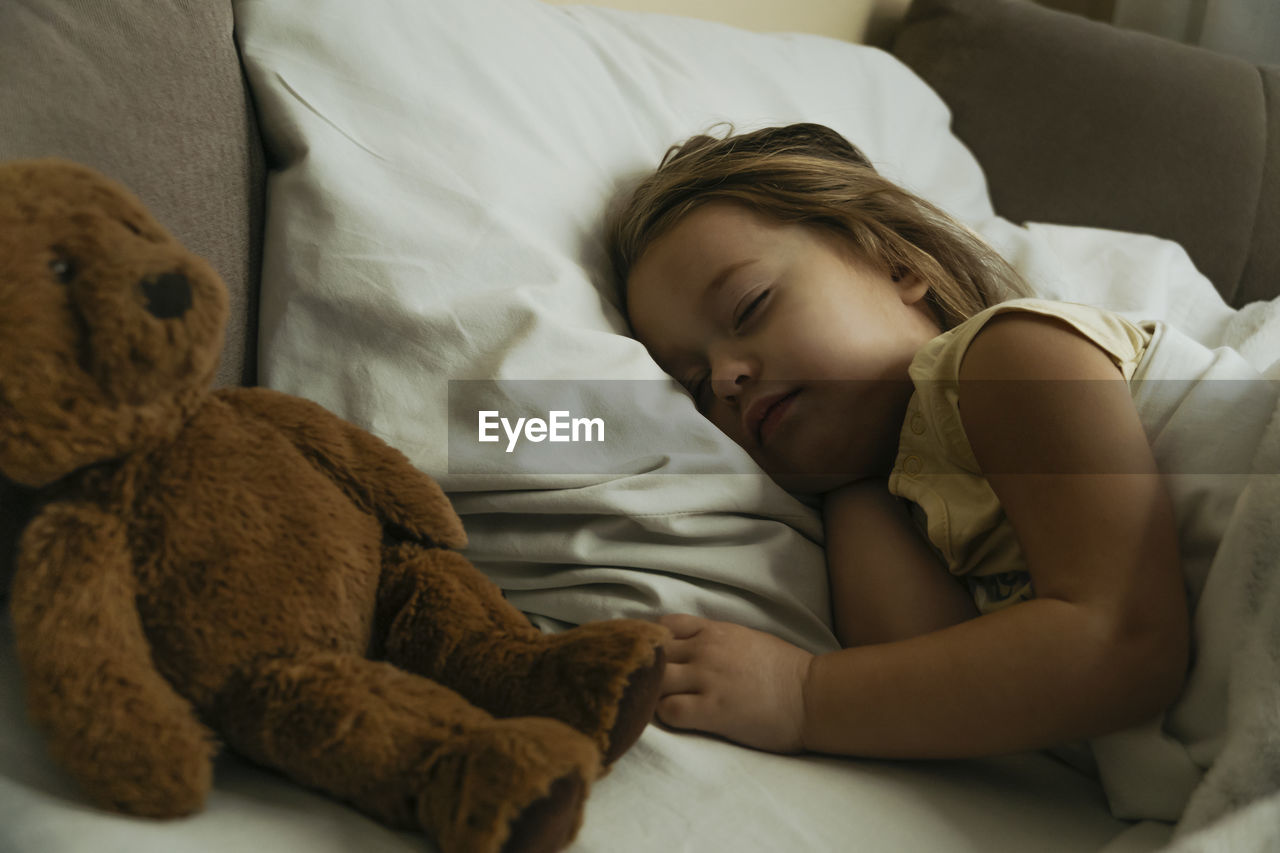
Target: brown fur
<point x="242" y="566"/>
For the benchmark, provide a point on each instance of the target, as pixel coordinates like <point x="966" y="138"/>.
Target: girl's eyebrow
<point x="723" y="276"/>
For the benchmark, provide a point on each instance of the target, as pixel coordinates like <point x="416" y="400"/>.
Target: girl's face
<point x="789" y="345"/>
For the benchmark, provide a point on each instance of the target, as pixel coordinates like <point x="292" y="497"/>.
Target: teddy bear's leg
<point x="441" y="617"/>
<point x="113" y="721"/>
<point x="411" y="752"/>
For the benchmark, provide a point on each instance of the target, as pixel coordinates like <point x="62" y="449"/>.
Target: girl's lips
<point x="774" y="416"/>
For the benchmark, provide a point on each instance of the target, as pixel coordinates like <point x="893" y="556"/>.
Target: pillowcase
<point x="1083" y="123"/>
<point x="434" y="250"/>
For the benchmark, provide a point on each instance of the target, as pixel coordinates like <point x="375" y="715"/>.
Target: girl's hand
<point x="728" y="680"/>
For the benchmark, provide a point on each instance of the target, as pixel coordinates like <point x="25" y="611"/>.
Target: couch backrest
<point x="149" y="92"/>
<point x="1081" y="123"/>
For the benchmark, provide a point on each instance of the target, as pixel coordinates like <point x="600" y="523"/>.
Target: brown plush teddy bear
<point x="243" y="566"/>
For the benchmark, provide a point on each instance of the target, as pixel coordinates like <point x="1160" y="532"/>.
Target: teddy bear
<point x="242" y="567"/>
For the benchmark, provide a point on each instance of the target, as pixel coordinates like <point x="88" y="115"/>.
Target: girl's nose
<point x="730" y="375"/>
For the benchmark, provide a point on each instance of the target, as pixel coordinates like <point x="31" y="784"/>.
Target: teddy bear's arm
<point x="15" y="504"/>
<point x="111" y="719"/>
<point x="375" y="475"/>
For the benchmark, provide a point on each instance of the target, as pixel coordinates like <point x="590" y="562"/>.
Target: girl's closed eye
<point x="754" y="302"/>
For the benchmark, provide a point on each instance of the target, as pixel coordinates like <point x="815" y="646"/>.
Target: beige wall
<point x="1103" y="10"/>
<point x="870" y="21"/>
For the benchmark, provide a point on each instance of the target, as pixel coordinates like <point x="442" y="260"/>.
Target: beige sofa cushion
<point x="149" y="92"/>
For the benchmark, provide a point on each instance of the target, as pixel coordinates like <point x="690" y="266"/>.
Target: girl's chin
<point x="831" y="470"/>
<point x="813" y="484"/>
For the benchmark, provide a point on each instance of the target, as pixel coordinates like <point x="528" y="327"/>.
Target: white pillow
<point x="441" y="169"/>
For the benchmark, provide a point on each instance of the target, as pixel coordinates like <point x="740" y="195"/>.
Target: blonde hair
<point x="809" y="174"/>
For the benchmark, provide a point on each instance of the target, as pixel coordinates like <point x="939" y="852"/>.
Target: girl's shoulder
<point x="1121" y="338"/>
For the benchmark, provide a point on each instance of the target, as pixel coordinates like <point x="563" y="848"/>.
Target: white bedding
<point x="672" y="792"/>
<point x="443" y="167"/>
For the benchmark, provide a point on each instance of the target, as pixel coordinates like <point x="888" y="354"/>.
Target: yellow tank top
<point x="935" y="469"/>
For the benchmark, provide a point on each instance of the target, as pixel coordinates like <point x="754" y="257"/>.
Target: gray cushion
<point x="149" y="92"/>
<point x="1081" y="123"/>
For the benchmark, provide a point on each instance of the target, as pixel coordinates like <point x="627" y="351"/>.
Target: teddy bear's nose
<point x="168" y="295"/>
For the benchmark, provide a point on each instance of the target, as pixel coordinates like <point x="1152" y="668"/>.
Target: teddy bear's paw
<point x="165" y="777"/>
<point x="552" y="821"/>
<point x="606" y="677"/>
<point x="636" y="708"/>
<point x="517" y="786"/>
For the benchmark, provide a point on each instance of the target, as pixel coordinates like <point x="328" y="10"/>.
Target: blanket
<point x="1211" y="419"/>
<point x="1240" y="625"/>
<point x="1208" y="393"/>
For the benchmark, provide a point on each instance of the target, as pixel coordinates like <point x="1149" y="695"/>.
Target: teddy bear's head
<point x="110" y="330"/>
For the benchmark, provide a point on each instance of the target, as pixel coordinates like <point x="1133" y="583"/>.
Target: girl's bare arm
<point x="886" y="581"/>
<point x="1105" y="642"/>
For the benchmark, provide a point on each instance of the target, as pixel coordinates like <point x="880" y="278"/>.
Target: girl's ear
<point x="911" y="287"/>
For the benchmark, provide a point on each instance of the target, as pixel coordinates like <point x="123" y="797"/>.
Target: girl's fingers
<point x="685" y="630"/>
<point x="682" y="625"/>
<point x="679" y="651"/>
<point x="679" y="678"/>
<point x="680" y="710"/>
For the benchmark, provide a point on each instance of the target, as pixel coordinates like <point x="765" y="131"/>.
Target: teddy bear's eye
<point x="63" y="268"/>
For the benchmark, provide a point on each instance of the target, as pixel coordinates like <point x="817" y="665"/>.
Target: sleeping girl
<point x="1002" y="551"/>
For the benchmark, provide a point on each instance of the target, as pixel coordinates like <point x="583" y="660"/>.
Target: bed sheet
<point x="672" y="792"/>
